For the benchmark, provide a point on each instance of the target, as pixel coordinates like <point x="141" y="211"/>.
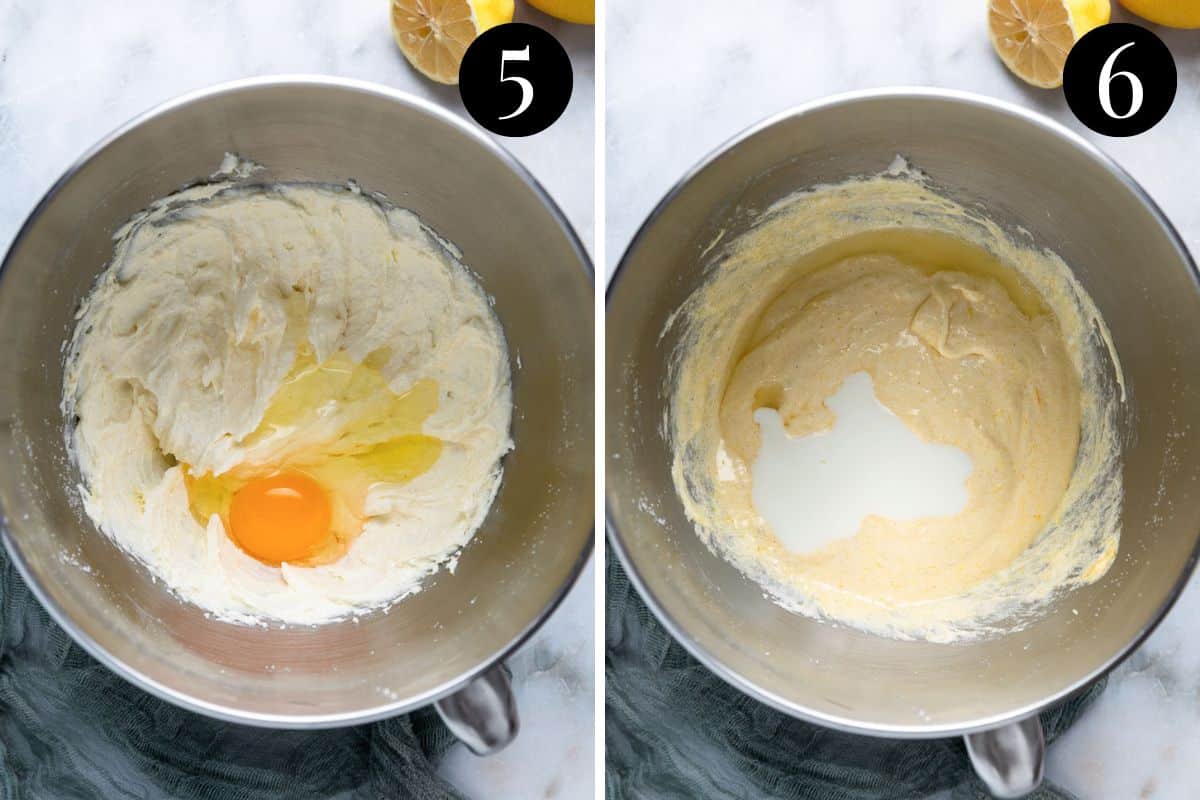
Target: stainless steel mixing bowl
<point x="1026" y="171"/>
<point x="534" y="542"/>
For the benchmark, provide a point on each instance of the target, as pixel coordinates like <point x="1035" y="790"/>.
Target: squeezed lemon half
<point x="434" y="34"/>
<point x="1033" y="37"/>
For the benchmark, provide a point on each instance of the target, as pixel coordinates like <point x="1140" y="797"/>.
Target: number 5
<point x="1106" y="79"/>
<point x="526" y="86"/>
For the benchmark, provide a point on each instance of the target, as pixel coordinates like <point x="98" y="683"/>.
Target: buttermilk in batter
<point x="973" y="341"/>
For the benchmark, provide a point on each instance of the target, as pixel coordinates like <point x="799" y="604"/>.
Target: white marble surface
<point x="674" y="97"/>
<point x="72" y="70"/>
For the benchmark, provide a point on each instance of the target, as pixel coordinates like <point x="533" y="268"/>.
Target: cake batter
<point x="972" y="340"/>
<point x="290" y="401"/>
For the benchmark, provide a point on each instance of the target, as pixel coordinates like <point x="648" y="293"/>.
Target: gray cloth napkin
<point x="675" y="730"/>
<point x="72" y="730"/>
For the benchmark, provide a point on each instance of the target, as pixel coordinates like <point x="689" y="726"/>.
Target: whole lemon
<point x="1172" y="13"/>
<point x="581" y="11"/>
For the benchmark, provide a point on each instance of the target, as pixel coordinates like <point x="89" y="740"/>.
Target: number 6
<point x="1106" y="79"/>
<point x="526" y="86"/>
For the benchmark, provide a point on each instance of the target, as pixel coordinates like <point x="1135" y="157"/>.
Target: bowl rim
<point x="181" y="697"/>
<point x="613" y="532"/>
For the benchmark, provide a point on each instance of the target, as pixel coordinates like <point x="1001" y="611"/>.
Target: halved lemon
<point x="1172" y="13"/>
<point x="1033" y="37"/>
<point x="434" y="34"/>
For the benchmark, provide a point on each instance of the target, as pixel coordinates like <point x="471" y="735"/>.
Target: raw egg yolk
<point x="284" y="517"/>
<point x="338" y="429"/>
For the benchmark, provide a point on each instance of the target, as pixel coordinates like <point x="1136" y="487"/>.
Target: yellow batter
<point x="970" y="339"/>
<point x="959" y="363"/>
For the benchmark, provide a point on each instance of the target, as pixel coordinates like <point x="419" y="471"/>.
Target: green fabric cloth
<point x="72" y="730"/>
<point x="675" y="730"/>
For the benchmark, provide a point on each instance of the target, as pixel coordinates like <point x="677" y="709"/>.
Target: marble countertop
<point x="71" y="71"/>
<point x="673" y="98"/>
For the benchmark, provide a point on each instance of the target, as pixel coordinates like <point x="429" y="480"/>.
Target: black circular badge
<point x="1120" y="79"/>
<point x="515" y="79"/>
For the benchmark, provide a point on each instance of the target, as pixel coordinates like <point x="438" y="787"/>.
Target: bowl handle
<point x="482" y="714"/>
<point x="1009" y="760"/>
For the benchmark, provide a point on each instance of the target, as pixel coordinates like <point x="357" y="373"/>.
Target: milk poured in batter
<point x="817" y="489"/>
<point x="983" y="348"/>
